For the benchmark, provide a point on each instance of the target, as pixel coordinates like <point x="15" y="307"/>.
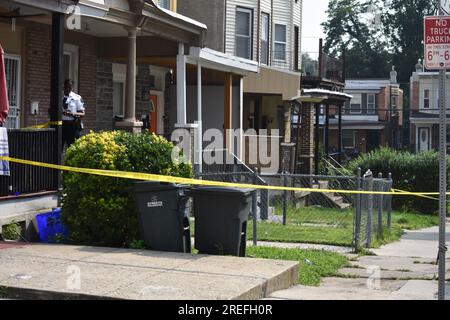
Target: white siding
<point x="231" y="24"/>
<point x="285" y="12"/>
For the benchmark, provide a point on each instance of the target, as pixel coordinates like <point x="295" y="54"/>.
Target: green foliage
<point x="12" y="231"/>
<point x="100" y="211"/>
<point x="410" y="172"/>
<point x="314" y="264"/>
<point x="137" y="245"/>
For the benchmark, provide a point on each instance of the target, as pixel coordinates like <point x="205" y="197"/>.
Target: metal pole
<point x="369" y="177"/>
<point x="56" y="92"/>
<point x="389" y="215"/>
<point x="442" y="177"/>
<point x="254" y="211"/>
<point x="380" y="205"/>
<point x="358" y="212"/>
<point x="285" y="194"/>
<point x="327" y="130"/>
<point x="340" y="135"/>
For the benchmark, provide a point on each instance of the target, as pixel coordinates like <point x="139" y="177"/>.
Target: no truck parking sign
<point x="437" y="42"/>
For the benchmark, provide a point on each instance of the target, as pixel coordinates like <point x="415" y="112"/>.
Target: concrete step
<point x="36" y="271"/>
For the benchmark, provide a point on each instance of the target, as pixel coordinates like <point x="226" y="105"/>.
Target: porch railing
<point x="35" y="145"/>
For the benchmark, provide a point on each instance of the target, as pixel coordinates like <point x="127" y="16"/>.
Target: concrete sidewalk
<point x="51" y="272"/>
<point x="405" y="270"/>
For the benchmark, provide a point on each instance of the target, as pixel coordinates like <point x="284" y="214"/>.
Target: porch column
<point x="317" y="142"/>
<point x="199" y="117"/>
<point x="340" y="134"/>
<point x="228" y="110"/>
<point x="130" y="123"/>
<point x="56" y="90"/>
<point x="181" y="86"/>
<point x="241" y="119"/>
<point x="327" y="129"/>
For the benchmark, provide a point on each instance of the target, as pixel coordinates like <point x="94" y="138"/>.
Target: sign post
<point x="437" y="57"/>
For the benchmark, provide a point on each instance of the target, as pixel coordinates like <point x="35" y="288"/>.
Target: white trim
<point x="159" y="110"/>
<point x="17" y="58"/>
<point x="285" y="43"/>
<point x="250" y="30"/>
<point x="220" y="61"/>
<point x="430" y="136"/>
<point x="73" y="52"/>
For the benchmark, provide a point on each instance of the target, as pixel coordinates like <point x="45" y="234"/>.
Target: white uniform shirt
<point x="73" y="103"/>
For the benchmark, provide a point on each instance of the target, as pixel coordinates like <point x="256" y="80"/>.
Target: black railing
<point x="35" y="145"/>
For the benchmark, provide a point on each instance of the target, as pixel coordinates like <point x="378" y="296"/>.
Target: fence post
<point x="389" y="204"/>
<point x="285" y="194"/>
<point x="380" y="205"/>
<point x="369" y="177"/>
<point x="358" y="212"/>
<point x="255" y="209"/>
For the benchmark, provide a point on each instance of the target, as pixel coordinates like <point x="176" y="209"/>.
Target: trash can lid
<point x="145" y="186"/>
<point x="222" y="190"/>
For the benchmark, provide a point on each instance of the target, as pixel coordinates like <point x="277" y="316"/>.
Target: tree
<point x="347" y="27"/>
<point x="403" y="26"/>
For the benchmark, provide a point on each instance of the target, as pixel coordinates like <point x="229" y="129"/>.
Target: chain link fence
<point x="331" y="217"/>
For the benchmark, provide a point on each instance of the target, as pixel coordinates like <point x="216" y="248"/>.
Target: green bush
<point x="410" y="172"/>
<point x="12" y="231"/>
<point x="100" y="211"/>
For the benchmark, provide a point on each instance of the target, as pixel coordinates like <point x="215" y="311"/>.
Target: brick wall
<point x="415" y="96"/>
<point x="104" y="111"/>
<point x="306" y="149"/>
<point x="38" y="71"/>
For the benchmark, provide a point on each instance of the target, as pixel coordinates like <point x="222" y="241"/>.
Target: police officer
<point x="73" y="111"/>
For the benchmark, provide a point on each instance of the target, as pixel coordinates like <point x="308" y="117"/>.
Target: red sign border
<point x="425" y="36"/>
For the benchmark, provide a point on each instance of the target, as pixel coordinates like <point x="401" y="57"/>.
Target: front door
<point x="12" y="70"/>
<point x="424" y="139"/>
<point x="373" y="140"/>
<point x="154" y="114"/>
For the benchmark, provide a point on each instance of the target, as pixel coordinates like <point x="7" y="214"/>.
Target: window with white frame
<point x="280" y="43"/>
<point x="426" y="99"/>
<point x="371" y="106"/>
<point x="348" y="139"/>
<point x="244" y="33"/>
<point x="355" y="104"/>
<point x="265" y="30"/>
<point x="71" y="62"/>
<point x="164" y="4"/>
<point x="119" y="76"/>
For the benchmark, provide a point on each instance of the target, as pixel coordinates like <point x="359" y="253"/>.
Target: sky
<point x="313" y="15"/>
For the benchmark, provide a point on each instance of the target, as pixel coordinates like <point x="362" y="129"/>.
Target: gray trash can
<point x="163" y="222"/>
<point x="221" y="216"/>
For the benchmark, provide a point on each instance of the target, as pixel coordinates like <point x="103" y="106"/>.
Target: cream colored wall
<point x="11" y="41"/>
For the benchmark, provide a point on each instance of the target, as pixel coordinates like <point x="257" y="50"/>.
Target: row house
<point x="269" y="33"/>
<point x="138" y="64"/>
<point x="373" y="117"/>
<point x="424" y="117"/>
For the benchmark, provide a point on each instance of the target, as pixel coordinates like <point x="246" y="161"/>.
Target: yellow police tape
<point x="198" y="182"/>
<point x="47" y="125"/>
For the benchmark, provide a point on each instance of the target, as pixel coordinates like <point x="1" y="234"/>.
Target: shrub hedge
<point x="410" y="172"/>
<point x="100" y="211"/>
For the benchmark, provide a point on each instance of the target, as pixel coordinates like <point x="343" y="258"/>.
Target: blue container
<point x="50" y="226"/>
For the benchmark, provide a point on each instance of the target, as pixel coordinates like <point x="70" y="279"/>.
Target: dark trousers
<point x="69" y="133"/>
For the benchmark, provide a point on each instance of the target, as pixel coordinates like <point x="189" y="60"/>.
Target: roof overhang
<point x="322" y="96"/>
<point x="220" y="61"/>
<point x="274" y="81"/>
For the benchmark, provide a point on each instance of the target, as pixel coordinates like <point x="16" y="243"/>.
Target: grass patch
<point x="316" y="225"/>
<point x="314" y="264"/>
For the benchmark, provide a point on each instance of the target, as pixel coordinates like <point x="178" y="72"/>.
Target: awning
<point x="322" y="96"/>
<point x="274" y="81"/>
<point x="220" y="61"/>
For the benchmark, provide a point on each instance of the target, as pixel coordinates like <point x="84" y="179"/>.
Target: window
<point x="244" y="33"/>
<point x="426" y="99"/>
<point x="355" y="104"/>
<point x="371" y="108"/>
<point x="71" y="64"/>
<point x="265" y="21"/>
<point x="13" y="82"/>
<point x="164" y="4"/>
<point x="280" y="42"/>
<point x="119" y="77"/>
<point x="348" y="139"/>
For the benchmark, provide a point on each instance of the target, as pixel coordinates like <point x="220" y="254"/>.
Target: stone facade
<point x="104" y="106"/>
